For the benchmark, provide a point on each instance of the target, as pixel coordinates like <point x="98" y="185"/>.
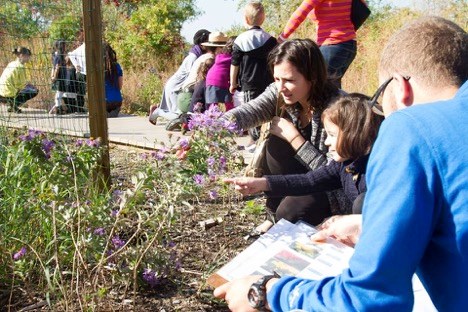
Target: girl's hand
<point x="285" y="130"/>
<point x="248" y="186"/>
<point x="345" y="229"/>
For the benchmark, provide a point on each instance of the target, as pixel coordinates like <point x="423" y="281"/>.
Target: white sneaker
<point x="251" y="148"/>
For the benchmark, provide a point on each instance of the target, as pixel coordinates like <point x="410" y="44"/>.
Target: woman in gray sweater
<point x="297" y="143"/>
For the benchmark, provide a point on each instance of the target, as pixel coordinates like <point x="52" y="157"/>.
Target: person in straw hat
<point x="168" y="105"/>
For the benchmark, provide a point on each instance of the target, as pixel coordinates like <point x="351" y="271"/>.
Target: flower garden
<point x="69" y="244"/>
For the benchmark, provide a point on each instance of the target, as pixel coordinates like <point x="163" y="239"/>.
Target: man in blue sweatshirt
<point x="415" y="215"/>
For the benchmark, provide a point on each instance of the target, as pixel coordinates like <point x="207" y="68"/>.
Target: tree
<point x="140" y="30"/>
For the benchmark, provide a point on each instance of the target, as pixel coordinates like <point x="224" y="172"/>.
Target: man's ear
<point x="403" y="91"/>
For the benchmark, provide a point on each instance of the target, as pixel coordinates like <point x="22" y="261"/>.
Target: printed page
<point x="287" y="249"/>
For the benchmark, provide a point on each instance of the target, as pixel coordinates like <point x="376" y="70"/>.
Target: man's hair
<point x="254" y="13"/>
<point x="431" y="49"/>
<point x="358" y="125"/>
<point x="305" y="55"/>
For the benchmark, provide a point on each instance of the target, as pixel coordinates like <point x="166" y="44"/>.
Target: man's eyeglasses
<point x="374" y="103"/>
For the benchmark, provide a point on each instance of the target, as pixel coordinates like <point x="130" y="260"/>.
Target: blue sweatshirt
<point x="415" y="219"/>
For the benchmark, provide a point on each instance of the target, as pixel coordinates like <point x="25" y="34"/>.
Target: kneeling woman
<point x="15" y="87"/>
<point x="352" y="128"/>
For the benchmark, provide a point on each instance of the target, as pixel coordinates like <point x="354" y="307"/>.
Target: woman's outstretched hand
<point x="249" y="186"/>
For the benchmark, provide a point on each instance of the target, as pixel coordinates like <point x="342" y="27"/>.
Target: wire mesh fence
<point x="44" y="65"/>
<point x="51" y="31"/>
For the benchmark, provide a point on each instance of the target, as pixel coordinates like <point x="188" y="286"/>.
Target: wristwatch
<point x="257" y="292"/>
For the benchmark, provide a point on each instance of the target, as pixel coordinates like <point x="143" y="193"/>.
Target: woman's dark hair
<point x="21" y="50"/>
<point x="305" y="55"/>
<point x="201" y="36"/>
<point x="60" y="49"/>
<point x="229" y="45"/>
<point x="358" y="124"/>
<point x="110" y="64"/>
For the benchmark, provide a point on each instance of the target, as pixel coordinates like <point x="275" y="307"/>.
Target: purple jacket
<point x="218" y="74"/>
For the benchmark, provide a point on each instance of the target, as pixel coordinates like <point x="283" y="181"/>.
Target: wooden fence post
<point x="92" y="22"/>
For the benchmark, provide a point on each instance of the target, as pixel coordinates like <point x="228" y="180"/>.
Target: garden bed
<point x="142" y="246"/>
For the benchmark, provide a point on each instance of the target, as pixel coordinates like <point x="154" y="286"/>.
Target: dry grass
<point x="143" y="86"/>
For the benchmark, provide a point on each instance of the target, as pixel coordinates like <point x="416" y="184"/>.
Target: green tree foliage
<point x="141" y="30"/>
<point x="17" y="20"/>
<point x="66" y="28"/>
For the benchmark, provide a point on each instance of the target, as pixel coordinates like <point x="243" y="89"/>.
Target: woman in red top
<point x="335" y="32"/>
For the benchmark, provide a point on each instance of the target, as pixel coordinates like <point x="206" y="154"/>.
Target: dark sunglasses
<point x="376" y="106"/>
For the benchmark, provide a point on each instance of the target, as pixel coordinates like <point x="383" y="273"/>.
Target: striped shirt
<point x="333" y="19"/>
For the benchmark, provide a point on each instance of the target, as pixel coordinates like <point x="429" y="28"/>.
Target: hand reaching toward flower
<point x="284" y="129"/>
<point x="249" y="186"/>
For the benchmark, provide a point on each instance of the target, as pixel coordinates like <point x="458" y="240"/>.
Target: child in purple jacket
<point x="352" y="128"/>
<point x="217" y="79"/>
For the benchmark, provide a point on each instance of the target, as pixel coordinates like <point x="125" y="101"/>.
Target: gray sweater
<point x="312" y="153"/>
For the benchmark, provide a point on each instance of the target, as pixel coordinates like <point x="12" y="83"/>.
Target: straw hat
<point x="216" y="39"/>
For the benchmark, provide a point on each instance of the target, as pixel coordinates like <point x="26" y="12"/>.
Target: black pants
<point x="21" y="98"/>
<point x="310" y="208"/>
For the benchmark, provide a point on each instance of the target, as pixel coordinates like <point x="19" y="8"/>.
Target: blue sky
<point x="219" y="15"/>
<point x="222" y="14"/>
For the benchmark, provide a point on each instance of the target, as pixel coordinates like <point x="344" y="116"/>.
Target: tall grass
<point x="144" y="79"/>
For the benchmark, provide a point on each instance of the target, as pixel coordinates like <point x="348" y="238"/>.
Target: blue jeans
<point x="338" y="57"/>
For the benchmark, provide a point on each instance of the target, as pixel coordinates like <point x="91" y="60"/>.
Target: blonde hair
<point x="431" y="49"/>
<point x="254" y="13"/>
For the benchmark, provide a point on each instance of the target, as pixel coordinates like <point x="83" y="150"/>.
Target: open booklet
<point x="287" y="249"/>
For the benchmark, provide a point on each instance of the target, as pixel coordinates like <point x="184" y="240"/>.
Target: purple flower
<point x="31" y="135"/>
<point x="20" y="254"/>
<point x="213" y="194"/>
<point x="99" y="232"/>
<point x="93" y="143"/>
<point x="151" y="277"/>
<point x="115" y="213"/>
<point x="118" y="242"/>
<point x="199" y="179"/>
<point x="210" y="161"/>
<point x="159" y="155"/>
<point x="222" y="162"/>
<point x="79" y="143"/>
<point x="230" y="126"/>
<point x="144" y="156"/>
<point x="47" y="146"/>
<point x="184" y="143"/>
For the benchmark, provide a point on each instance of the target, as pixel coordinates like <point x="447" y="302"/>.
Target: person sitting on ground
<point x="174" y="84"/>
<point x="216" y="41"/>
<point x="58" y="77"/>
<point x="297" y="141"/>
<point x="113" y="81"/>
<point x="414" y="214"/>
<point x="249" y="67"/>
<point x="217" y="78"/>
<point x="351" y="128"/>
<point x="198" y="103"/>
<point x="15" y="85"/>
